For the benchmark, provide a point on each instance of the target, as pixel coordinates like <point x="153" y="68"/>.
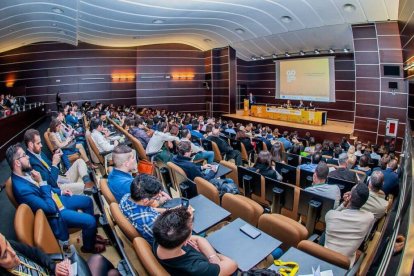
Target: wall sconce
<point x="10" y="79"/>
<point x="123" y="77"/>
<point x="182" y="76"/>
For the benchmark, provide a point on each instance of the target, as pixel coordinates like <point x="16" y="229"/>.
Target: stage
<point x="332" y="130"/>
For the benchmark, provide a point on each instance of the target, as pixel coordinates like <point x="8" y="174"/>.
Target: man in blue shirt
<point x="140" y="206"/>
<point x="286" y="143"/>
<point x="120" y="178"/>
<point x="316" y="158"/>
<point x="391" y="184"/>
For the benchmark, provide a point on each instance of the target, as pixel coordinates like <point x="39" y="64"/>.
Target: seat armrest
<point x="355" y="268"/>
<point x="56" y="257"/>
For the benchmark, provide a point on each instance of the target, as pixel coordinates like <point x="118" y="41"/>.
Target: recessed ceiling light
<point x="274" y="56"/>
<point x="331" y="51"/>
<point x="262" y="57"/>
<point x="317" y="52"/>
<point x="254" y="58"/>
<point x="286" y="19"/>
<point x="239" y="31"/>
<point x="62" y="32"/>
<point x="57" y="10"/>
<point x="346" y="50"/>
<point x="207" y="40"/>
<point x="302" y="53"/>
<point x="349" y="7"/>
<point x="158" y="21"/>
<point x="287" y="54"/>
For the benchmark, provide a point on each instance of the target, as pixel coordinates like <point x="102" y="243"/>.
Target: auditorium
<point x="206" y="137"/>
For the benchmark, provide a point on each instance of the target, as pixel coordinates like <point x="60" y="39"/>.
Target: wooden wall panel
<point x="220" y="81"/>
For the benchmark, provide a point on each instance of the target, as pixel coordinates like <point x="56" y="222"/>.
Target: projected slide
<point x="309" y="79"/>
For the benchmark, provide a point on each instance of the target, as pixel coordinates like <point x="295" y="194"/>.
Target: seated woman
<point x="67" y="145"/>
<point x="242" y="137"/>
<point x="278" y="152"/>
<point x="20" y="259"/>
<point x="264" y="166"/>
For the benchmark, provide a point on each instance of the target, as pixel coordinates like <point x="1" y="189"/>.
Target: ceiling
<point x="252" y="27"/>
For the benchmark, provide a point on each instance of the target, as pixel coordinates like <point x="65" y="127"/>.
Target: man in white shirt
<point x="346" y="229"/>
<point x="199" y="151"/>
<point x="100" y="136"/>
<point x="159" y="138"/>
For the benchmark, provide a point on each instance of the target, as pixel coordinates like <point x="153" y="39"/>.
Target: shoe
<point x="91" y="165"/>
<point x="102" y="240"/>
<point x="98" y="248"/>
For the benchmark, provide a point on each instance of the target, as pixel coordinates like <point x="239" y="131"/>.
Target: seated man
<point x="391" y="183"/>
<point x="20" y="259"/>
<point x="320" y="187"/>
<point x="343" y="172"/>
<point x="180" y="253"/>
<point x="376" y="203"/>
<point x="195" y="125"/>
<point x="193" y="170"/>
<point x="120" y="178"/>
<point x="223" y="146"/>
<point x="316" y="158"/>
<point x="140" y="206"/>
<point x="60" y="206"/>
<point x="77" y="178"/>
<point x="140" y="132"/>
<point x="199" y="152"/>
<point x="156" y="143"/>
<point x="100" y="137"/>
<point x="346" y="229"/>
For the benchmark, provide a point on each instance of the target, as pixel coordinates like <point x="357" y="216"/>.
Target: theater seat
<point x="147" y="258"/>
<point x="177" y="176"/>
<point x="207" y="189"/>
<point x="233" y="175"/>
<point x="106" y="192"/>
<point x="325" y="254"/>
<point x="43" y="235"/>
<point x="123" y="223"/>
<point x="72" y="157"/>
<point x="9" y="191"/>
<point x="217" y="154"/>
<point x="285" y="229"/>
<point x="242" y="207"/>
<point x="24" y="224"/>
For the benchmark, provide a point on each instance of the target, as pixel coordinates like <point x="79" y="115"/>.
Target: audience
<point x="198" y="151"/>
<point x="224" y="147"/>
<point x="156" y="143"/>
<point x="120" y="178"/>
<point x="278" y="152"/>
<point x="140" y="132"/>
<point x="140" y="206"/>
<point x="264" y="166"/>
<point x="181" y="253"/>
<point x="101" y="137"/>
<point x="77" y="178"/>
<point x="316" y="158"/>
<point x="347" y="228"/>
<point x="60" y="206"/>
<point x="391" y="181"/>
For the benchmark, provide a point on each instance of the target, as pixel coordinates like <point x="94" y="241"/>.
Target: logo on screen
<point x="291" y="75"/>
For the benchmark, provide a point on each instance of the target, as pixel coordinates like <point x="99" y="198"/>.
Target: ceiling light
<point x="349" y="7"/>
<point x="331" y="51"/>
<point x="158" y="21"/>
<point x="57" y="10"/>
<point x="302" y="53"/>
<point x="239" y="31"/>
<point x="274" y="56"/>
<point x="287" y="54"/>
<point x="254" y="58"/>
<point x="317" y="52"/>
<point x="62" y="32"/>
<point x="261" y="57"/>
<point x="207" y="40"/>
<point x="286" y="19"/>
<point x="346" y="50"/>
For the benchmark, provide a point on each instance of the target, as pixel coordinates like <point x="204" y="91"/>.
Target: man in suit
<point x="252" y="100"/>
<point x="77" y="178"/>
<point x="60" y="206"/>
<point x="391" y="183"/>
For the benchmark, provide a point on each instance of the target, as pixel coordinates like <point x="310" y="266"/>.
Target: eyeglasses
<point x="24" y="155"/>
<point x="157" y="197"/>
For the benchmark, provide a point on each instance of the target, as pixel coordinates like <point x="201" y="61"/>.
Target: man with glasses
<point x="60" y="206"/>
<point x="141" y="205"/>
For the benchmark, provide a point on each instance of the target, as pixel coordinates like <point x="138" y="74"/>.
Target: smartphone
<point x="185" y="202"/>
<point x="250" y="231"/>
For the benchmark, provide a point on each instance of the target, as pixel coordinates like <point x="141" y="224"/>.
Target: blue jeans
<point x="74" y="219"/>
<point x="207" y="155"/>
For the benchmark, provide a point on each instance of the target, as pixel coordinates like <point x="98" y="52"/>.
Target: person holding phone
<point x="141" y="205"/>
